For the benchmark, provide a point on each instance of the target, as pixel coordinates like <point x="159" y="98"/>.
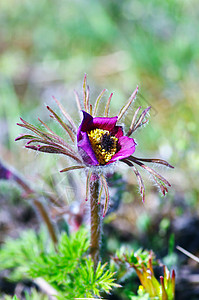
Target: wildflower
<point x="142" y="262"/>
<point x="98" y="142"/>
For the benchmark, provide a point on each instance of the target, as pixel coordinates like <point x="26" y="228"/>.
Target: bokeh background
<point x="46" y="47"/>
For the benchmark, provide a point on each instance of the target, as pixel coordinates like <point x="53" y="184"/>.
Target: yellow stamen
<point x="103" y="143"/>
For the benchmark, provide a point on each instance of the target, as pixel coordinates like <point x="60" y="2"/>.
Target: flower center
<point x="103" y="144"/>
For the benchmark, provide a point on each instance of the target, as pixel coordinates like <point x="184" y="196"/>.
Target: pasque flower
<point x="100" y="142"/>
<point x="96" y="143"/>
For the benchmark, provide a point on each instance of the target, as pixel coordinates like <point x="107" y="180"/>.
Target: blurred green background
<point x="46" y="47"/>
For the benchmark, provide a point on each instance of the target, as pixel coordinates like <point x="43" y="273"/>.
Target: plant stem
<point x="95" y="220"/>
<point x="47" y="221"/>
<point x="13" y="175"/>
<point x="40" y="208"/>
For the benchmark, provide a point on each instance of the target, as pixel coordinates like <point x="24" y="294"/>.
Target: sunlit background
<point x="46" y="47"/>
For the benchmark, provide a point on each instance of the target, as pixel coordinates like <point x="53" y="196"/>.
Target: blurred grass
<point x="47" y="46"/>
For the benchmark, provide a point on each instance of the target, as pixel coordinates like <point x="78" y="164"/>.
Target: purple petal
<point x="117" y="131"/>
<point x="85" y="125"/>
<point x="104" y="123"/>
<point x="85" y="150"/>
<point x="89" y="123"/>
<point x="127" y="148"/>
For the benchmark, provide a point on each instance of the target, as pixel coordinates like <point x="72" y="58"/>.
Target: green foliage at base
<point x="69" y="270"/>
<point x="141" y="295"/>
<point x="17" y="255"/>
<point x="10" y="298"/>
<point x="143" y="263"/>
<point x="34" y="296"/>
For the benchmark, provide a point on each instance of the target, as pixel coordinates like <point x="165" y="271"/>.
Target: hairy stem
<point x="95" y="220"/>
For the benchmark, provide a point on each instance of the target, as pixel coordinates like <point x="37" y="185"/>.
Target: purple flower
<point x="101" y="142"/>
